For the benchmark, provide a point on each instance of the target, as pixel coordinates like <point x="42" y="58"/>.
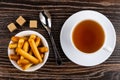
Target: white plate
<point x="82" y="58"/>
<point x="35" y="67"/>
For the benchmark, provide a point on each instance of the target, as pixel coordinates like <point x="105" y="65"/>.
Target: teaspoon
<point x="45" y="19"/>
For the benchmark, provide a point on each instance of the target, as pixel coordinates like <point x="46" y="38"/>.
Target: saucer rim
<point x="61" y="38"/>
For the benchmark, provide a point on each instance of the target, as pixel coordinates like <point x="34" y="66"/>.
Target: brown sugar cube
<point x="12" y="27"/>
<point x="20" y="20"/>
<point x="33" y="24"/>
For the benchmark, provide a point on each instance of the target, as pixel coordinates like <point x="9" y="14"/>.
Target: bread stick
<point x="42" y="55"/>
<point x="32" y="36"/>
<point x="25" y="38"/>
<point x="43" y="49"/>
<point x="26" y="66"/>
<point x="18" y="62"/>
<point x="20" y="43"/>
<point x="35" y="50"/>
<point x="27" y="56"/>
<point x="24" y="61"/>
<point x="37" y="41"/>
<point x="14" y="57"/>
<point x="26" y="46"/>
<point x="15" y="39"/>
<point x="13" y="45"/>
<point x="21" y="57"/>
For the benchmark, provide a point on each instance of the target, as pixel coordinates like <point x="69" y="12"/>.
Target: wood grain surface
<point x="60" y="11"/>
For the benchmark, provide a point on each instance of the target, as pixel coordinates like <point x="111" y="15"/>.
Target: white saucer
<point x="82" y="58"/>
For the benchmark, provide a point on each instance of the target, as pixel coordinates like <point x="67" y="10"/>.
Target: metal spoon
<point x="45" y="19"/>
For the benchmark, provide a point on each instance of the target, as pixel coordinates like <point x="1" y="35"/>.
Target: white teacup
<point x="79" y="57"/>
<point x="92" y="42"/>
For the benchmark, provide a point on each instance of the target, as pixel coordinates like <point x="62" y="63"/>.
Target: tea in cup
<point x="88" y="36"/>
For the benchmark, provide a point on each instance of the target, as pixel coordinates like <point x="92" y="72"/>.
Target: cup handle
<point x="108" y="49"/>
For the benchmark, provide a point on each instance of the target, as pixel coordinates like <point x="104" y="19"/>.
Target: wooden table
<point x="60" y="11"/>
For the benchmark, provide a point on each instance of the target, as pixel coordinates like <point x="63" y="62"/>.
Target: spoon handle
<point x="57" y="55"/>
